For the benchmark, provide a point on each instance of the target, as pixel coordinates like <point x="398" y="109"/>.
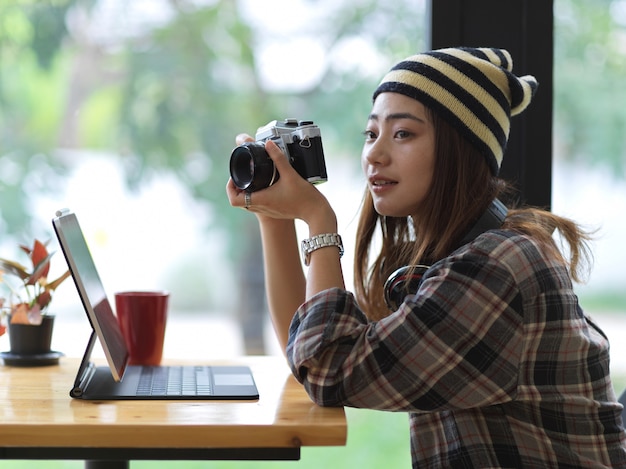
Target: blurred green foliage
<point x="589" y="92"/>
<point x="171" y="95"/>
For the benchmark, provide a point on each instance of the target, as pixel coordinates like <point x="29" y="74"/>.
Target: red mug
<point x="142" y="316"/>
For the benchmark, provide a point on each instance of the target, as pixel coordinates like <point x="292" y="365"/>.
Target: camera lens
<point x="251" y="167"/>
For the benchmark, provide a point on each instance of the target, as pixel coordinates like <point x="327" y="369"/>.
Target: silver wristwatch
<point x="320" y="241"/>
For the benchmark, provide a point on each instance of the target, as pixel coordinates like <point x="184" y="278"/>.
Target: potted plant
<point x="25" y="310"/>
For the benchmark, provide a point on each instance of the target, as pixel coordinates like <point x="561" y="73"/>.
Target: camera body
<point x="252" y="169"/>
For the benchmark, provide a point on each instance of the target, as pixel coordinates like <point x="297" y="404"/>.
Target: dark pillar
<point x="525" y="29"/>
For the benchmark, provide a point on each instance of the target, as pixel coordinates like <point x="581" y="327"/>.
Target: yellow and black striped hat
<point x="473" y="89"/>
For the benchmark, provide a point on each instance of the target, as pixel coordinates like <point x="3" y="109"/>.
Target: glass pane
<point x="590" y="149"/>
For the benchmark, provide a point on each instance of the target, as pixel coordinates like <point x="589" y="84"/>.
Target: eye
<point x="401" y="134"/>
<point x="369" y="134"/>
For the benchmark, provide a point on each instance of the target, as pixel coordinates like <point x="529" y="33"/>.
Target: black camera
<point x="252" y="169"/>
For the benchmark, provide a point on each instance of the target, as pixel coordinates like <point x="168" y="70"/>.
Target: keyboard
<point x="175" y="381"/>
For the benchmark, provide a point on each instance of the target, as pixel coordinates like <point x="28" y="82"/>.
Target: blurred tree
<point x="170" y="93"/>
<point x="29" y="39"/>
<point x="590" y="65"/>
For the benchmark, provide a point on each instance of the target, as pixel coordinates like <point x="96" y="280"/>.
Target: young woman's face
<point x="399" y="154"/>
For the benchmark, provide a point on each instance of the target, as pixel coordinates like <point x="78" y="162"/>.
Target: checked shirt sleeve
<point x="455" y="344"/>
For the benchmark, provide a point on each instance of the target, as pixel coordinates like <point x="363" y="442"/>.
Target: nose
<point x="375" y="153"/>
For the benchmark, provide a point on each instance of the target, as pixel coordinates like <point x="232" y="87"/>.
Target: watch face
<point x="304" y="247"/>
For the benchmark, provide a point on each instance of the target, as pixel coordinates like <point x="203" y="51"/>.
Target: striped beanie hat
<point x="472" y="89"/>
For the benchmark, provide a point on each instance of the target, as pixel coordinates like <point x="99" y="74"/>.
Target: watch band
<point x="320" y="241"/>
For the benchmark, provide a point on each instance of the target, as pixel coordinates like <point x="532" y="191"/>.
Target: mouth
<point x="378" y="183"/>
<point x="381" y="182"/>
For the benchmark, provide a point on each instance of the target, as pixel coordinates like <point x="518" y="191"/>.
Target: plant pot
<point x="31" y="340"/>
<point x="30" y="345"/>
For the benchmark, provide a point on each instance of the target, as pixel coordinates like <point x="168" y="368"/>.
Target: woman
<point x="488" y="349"/>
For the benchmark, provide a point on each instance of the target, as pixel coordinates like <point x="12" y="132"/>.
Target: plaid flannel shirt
<point x="492" y="357"/>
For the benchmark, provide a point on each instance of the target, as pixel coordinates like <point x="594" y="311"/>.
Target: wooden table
<point x="38" y="420"/>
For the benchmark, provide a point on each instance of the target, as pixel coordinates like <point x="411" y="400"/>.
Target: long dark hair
<point x="461" y="190"/>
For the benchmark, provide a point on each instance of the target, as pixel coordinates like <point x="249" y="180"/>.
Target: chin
<point x="387" y="212"/>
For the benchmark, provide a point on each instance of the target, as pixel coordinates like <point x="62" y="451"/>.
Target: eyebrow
<point x="397" y="116"/>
